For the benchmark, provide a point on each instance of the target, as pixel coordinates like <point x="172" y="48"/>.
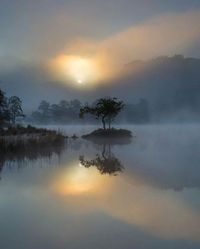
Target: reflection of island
<point x="106" y="163"/>
<point x="100" y="140"/>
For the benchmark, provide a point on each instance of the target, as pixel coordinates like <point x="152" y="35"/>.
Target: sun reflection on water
<point x="135" y="204"/>
<point x="77" y="180"/>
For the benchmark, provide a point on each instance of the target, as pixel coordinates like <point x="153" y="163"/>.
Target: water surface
<point x="143" y="193"/>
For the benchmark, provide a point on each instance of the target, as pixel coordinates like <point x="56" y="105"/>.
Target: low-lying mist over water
<point x="147" y="198"/>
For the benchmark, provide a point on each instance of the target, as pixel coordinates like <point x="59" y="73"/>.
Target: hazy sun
<point x="79" y="69"/>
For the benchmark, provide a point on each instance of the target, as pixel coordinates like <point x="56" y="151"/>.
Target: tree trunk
<point x="104" y="123"/>
<point x="109" y="123"/>
<point x="13" y="119"/>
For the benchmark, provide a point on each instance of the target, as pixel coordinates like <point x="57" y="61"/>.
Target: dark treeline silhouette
<point x="67" y="112"/>
<point x="10" y="109"/>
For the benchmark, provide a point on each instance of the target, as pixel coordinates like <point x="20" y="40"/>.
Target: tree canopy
<point x="4" y="113"/>
<point x="15" y="108"/>
<point x="10" y="109"/>
<point x="105" y="109"/>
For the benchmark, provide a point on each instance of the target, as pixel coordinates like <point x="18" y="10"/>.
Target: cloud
<point x="163" y="35"/>
<point x="169" y="34"/>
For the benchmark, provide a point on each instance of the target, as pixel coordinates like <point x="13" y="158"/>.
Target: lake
<point x="143" y="193"/>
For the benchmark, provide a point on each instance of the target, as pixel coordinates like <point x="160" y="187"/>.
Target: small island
<point x="105" y="109"/>
<point x="109" y="133"/>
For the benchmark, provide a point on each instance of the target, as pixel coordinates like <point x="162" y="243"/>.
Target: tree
<point x="4" y="112"/>
<point x="64" y="104"/>
<point x="15" y="108"/>
<point x="44" y="108"/>
<point x="75" y="104"/>
<point x="105" y="109"/>
<point x="1" y="97"/>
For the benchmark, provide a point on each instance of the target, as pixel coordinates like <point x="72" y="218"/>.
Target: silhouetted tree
<point x="105" y="109"/>
<point x="44" y="108"/>
<point x="15" y="108"/>
<point x="4" y="112"/>
<point x="75" y="104"/>
<point x="1" y="107"/>
<point x="1" y="97"/>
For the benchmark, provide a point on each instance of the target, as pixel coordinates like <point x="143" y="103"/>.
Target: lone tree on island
<point x="105" y="109"/>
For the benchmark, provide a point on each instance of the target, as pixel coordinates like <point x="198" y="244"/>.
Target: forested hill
<point x="170" y="84"/>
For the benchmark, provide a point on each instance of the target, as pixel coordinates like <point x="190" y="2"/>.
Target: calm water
<point x="105" y="195"/>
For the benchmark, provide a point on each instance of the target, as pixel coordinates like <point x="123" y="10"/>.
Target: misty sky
<point x="33" y="28"/>
<point x="111" y="32"/>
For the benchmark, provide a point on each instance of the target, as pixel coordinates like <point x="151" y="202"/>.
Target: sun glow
<point x="79" y="69"/>
<point x="78" y="180"/>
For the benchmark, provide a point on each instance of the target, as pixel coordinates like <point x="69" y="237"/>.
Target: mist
<point x="134" y="63"/>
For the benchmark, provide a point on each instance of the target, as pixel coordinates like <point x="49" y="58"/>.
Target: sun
<point x="79" y="69"/>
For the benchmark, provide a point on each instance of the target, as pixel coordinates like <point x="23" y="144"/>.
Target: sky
<point x="34" y="29"/>
<point x="78" y="41"/>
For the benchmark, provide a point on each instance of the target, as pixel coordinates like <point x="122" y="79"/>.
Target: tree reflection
<point x="106" y="163"/>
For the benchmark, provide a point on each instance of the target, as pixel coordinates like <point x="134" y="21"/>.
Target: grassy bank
<point x="17" y="139"/>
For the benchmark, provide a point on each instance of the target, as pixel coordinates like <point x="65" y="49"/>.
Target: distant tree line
<point x="10" y="109"/>
<point x="138" y="113"/>
<point x="67" y="112"/>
